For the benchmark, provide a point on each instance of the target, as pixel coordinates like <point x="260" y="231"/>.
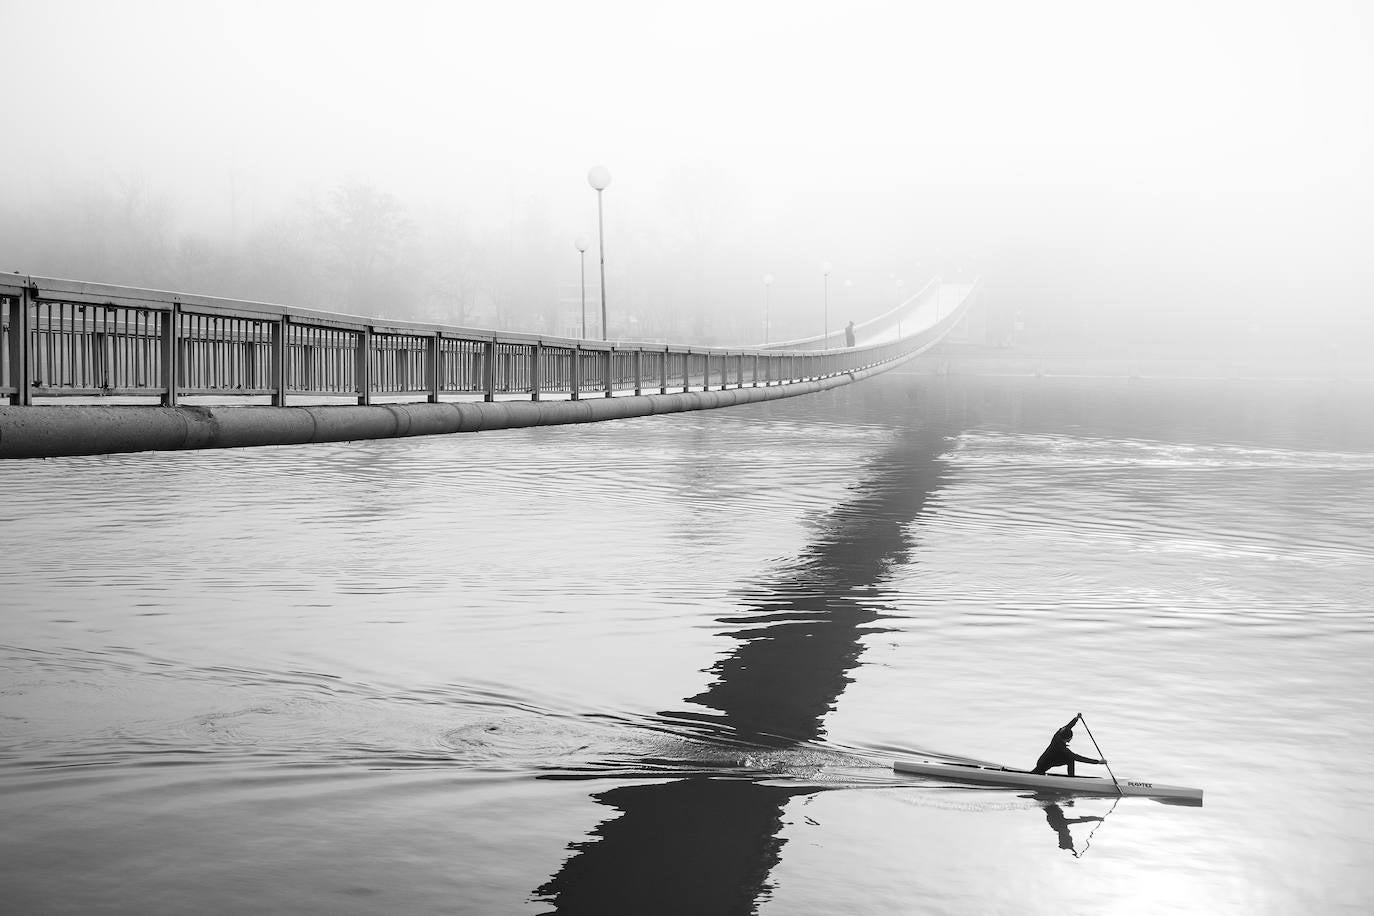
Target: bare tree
<point x="367" y="237"/>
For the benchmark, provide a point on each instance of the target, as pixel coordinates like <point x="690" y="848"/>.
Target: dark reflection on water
<point x="707" y="845"/>
<point x="1061" y="823"/>
<point x="697" y="845"/>
<point x="799" y="640"/>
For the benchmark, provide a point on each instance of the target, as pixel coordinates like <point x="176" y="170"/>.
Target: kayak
<point x="1006" y="776"/>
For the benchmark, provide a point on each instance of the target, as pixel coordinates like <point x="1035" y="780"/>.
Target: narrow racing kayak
<point x="1005" y="776"/>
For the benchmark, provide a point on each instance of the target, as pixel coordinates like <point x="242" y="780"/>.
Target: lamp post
<point x="581" y="245"/>
<point x="767" y="283"/>
<point x="825" y="314"/>
<point x="599" y="177"/>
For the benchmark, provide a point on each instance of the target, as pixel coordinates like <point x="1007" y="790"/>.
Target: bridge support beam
<point x="49" y="432"/>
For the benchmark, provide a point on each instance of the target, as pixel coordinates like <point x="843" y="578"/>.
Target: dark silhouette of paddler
<point x="1058" y="753"/>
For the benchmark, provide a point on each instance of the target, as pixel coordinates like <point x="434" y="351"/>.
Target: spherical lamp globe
<point x="599" y="177"/>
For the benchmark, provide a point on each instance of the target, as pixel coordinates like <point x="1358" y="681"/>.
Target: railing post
<point x="610" y="374"/>
<point x="170" y="327"/>
<point x="706" y="371"/>
<point x="663" y="373"/>
<point x="19" y="347"/>
<point x="574" y="382"/>
<point x="435" y="353"/>
<point x="756" y="372"/>
<point x="536" y="369"/>
<point x="363" y="364"/>
<point x="104" y="348"/>
<point x="639" y="371"/>
<point x="489" y="371"/>
<point x="280" y="331"/>
<point x="687" y="370"/>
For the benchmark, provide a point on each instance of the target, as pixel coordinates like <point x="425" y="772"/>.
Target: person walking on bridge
<point x="849" y="334"/>
<point x="1058" y="753"/>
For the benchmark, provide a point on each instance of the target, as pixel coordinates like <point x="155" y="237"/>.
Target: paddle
<point x="1100" y="754"/>
<point x="1089" y="841"/>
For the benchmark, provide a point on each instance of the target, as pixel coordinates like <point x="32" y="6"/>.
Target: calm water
<point x="663" y="665"/>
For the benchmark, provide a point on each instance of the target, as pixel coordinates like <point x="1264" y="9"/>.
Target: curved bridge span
<point x="95" y="369"/>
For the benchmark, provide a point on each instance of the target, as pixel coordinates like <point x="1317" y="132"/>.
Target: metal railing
<point x="906" y="310"/>
<point x="64" y="338"/>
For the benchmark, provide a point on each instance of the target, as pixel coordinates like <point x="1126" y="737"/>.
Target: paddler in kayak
<point x="1058" y="753"/>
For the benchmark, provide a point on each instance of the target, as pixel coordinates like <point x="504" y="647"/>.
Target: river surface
<point x="663" y="665"/>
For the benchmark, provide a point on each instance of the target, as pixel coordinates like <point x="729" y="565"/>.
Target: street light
<point x="581" y="244"/>
<point x="599" y="177"/>
<point x="767" y="282"/>
<point x="825" y="321"/>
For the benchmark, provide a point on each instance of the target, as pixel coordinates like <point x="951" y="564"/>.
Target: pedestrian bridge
<point x="90" y="369"/>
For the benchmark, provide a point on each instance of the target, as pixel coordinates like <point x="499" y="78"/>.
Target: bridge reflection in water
<point x="707" y="845"/>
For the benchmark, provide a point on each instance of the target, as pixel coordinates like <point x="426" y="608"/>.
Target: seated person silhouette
<point x="1059" y="822"/>
<point x="1058" y="753"/>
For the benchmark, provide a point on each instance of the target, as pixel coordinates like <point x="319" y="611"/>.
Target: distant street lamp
<point x="767" y="282"/>
<point x="599" y="177"/>
<point x="581" y="244"/>
<point x="825" y="319"/>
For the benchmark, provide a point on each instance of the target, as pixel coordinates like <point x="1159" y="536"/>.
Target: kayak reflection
<point x="707" y="845"/>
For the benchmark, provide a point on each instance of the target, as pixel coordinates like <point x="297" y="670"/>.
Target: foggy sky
<point x="1177" y="171"/>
